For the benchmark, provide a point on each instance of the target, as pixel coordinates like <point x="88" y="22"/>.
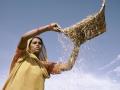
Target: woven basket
<point x="88" y="28"/>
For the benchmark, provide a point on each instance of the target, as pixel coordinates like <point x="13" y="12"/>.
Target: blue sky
<point x="99" y="59"/>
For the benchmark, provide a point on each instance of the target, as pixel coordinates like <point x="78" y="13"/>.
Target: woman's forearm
<point x="57" y="68"/>
<point x="73" y="57"/>
<point x="23" y="41"/>
<point x="36" y="31"/>
<point x="71" y="61"/>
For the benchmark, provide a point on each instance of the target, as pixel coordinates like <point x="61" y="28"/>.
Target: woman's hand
<point x="55" y="27"/>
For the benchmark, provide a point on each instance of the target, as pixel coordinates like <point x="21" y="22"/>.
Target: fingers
<point x="55" y="27"/>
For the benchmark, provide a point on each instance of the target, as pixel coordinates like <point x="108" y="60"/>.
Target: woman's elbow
<point x="67" y="67"/>
<point x="70" y="67"/>
<point x="24" y="37"/>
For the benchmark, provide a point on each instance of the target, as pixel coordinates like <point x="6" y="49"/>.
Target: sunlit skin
<point x="31" y="66"/>
<point x="35" y="46"/>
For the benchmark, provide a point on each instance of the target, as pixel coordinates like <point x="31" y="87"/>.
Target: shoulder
<point x="19" y="53"/>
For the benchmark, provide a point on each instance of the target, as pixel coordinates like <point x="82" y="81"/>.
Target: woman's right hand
<point x="55" y="27"/>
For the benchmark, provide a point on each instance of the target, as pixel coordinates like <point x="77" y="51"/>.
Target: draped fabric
<point x="27" y="74"/>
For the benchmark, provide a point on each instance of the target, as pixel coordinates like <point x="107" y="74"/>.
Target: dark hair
<point x="37" y="38"/>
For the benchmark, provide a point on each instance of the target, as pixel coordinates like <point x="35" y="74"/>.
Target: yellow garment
<point x="27" y="74"/>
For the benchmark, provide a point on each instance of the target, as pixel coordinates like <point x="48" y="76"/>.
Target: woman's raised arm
<point x="23" y="41"/>
<point x="71" y="61"/>
<point x="57" y="68"/>
<point x="21" y="48"/>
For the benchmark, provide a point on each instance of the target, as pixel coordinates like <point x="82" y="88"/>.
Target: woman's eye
<point x="40" y="43"/>
<point x="37" y="42"/>
<point x="34" y="42"/>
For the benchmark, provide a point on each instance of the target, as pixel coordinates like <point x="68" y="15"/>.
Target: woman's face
<point x="36" y="45"/>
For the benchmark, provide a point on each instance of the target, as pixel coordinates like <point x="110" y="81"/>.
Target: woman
<point x="30" y="66"/>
